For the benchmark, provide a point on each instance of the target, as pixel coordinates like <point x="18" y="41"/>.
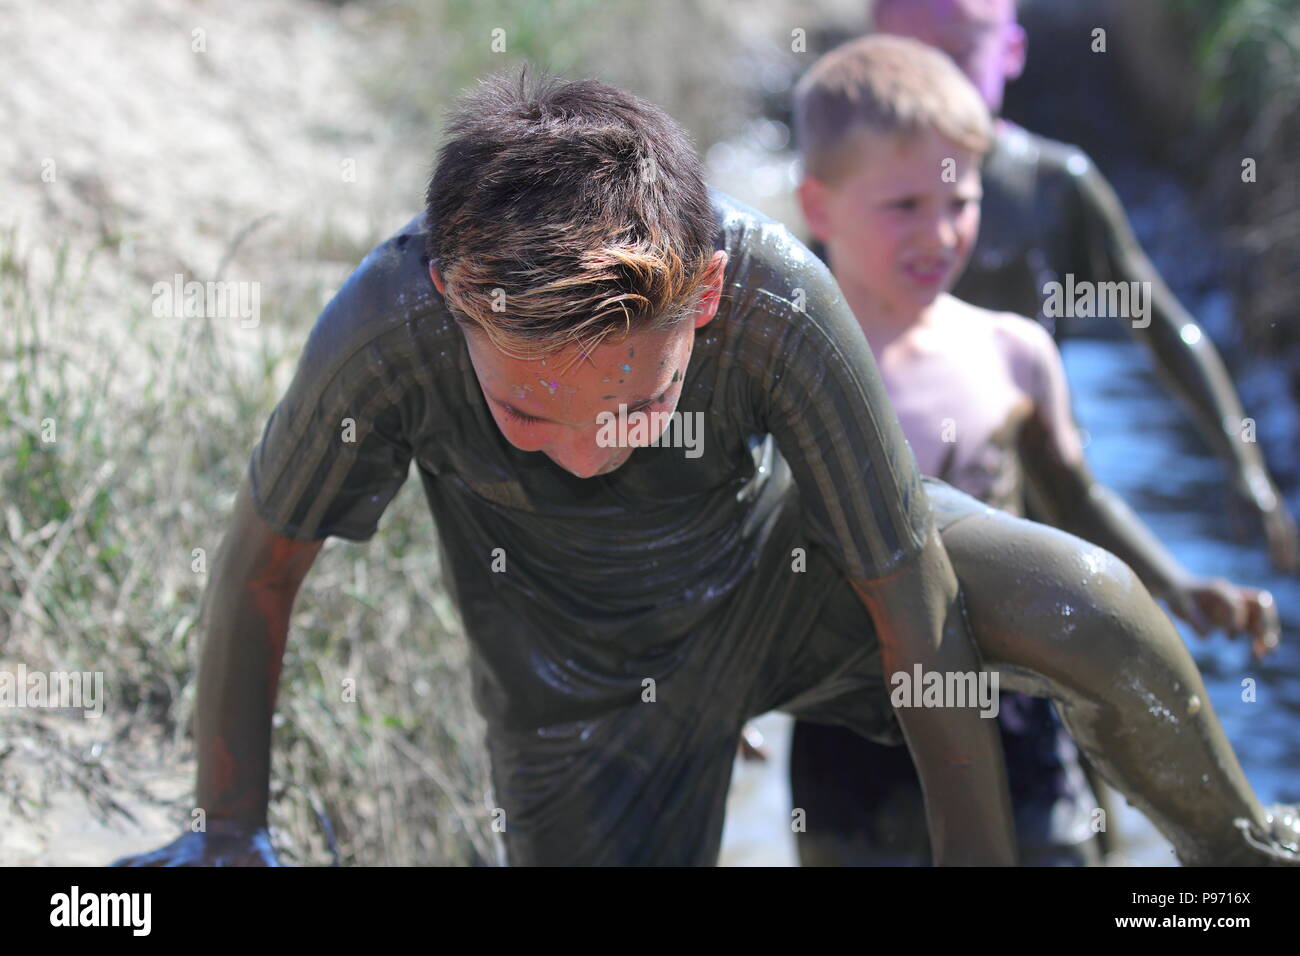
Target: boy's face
<point x="554" y="405"/>
<point x="981" y="36"/>
<point x="901" y="223"/>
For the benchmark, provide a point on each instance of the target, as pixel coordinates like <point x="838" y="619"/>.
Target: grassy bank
<point x="124" y="435"/>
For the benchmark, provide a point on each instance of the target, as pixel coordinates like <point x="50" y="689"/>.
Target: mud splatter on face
<point x="631" y="353"/>
<point x="605" y="398"/>
<point x="676" y="375"/>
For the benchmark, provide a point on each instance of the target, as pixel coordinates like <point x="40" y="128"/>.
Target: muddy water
<point x="1141" y="445"/>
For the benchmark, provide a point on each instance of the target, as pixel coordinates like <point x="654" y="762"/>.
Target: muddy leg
<point x="1059" y="617"/>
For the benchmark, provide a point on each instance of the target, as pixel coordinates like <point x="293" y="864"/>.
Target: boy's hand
<point x="1210" y="604"/>
<point x="226" y="844"/>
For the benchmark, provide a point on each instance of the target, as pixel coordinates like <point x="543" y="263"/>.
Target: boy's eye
<point x="519" y="417"/>
<point x="906" y="205"/>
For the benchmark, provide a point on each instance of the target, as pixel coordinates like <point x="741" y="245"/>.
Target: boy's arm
<point x="247" y="605"/>
<point x="1068" y="495"/>
<point x="1185" y="358"/>
<point x="817" y="390"/>
<point x="1058" y="477"/>
<point x="958" y="754"/>
<point x="333" y="454"/>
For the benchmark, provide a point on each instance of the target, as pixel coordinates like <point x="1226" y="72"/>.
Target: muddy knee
<point x="1053" y="604"/>
<point x="1076" y="620"/>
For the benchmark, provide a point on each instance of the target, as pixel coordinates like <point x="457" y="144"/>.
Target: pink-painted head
<point x="981" y="36"/>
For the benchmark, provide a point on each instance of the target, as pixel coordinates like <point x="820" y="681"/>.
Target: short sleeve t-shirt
<point x="603" y="577"/>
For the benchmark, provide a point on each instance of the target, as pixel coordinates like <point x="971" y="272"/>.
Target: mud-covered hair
<point x="560" y="212"/>
<point x="882" y="84"/>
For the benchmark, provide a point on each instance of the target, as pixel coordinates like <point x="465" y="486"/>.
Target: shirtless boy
<point x="1048" y="213"/>
<point x="571" y="265"/>
<point x="892" y="136"/>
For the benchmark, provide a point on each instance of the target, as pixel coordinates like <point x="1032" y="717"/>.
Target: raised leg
<point x="1058" y="617"/>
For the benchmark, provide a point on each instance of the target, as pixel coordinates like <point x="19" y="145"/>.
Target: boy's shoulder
<point x="393" y="279"/>
<point x="1050" y="158"/>
<point x="743" y="230"/>
<point x="385" y="313"/>
<point x="772" y="279"/>
<point x="730" y="212"/>
<point x="1023" y="341"/>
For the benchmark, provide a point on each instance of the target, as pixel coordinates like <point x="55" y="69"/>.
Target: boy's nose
<point x="948" y="233"/>
<point x="943" y="231"/>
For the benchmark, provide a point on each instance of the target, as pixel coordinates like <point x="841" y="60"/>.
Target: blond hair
<point x="884" y="85"/>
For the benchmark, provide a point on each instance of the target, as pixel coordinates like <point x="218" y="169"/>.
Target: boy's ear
<point x="1015" y="50"/>
<point x="713" y="294"/>
<point x="813" y="200"/>
<point x="436" y="276"/>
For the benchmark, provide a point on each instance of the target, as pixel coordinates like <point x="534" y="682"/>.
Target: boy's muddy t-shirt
<point x="573" y="590"/>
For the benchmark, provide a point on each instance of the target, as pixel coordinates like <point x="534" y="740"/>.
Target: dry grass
<point x="97" y="570"/>
<point x="218" y="165"/>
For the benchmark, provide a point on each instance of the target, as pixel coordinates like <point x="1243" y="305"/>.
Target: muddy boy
<point x="630" y="292"/>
